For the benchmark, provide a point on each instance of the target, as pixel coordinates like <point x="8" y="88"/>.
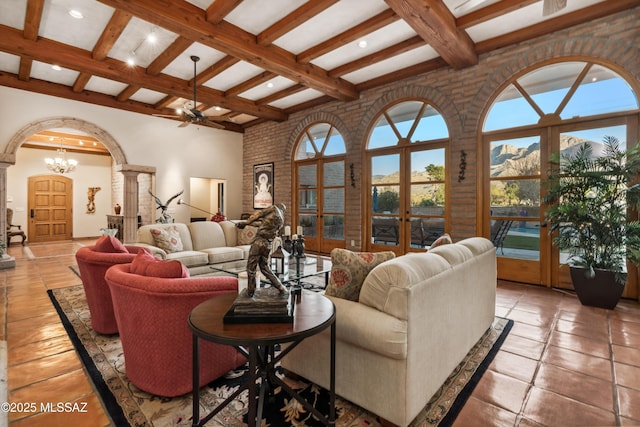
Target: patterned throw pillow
<point x="349" y="269"/>
<point x="445" y="239"/>
<point x="167" y="238"/>
<point x="246" y="235"/>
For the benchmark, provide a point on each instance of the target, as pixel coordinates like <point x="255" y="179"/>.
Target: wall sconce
<point x="463" y="165"/>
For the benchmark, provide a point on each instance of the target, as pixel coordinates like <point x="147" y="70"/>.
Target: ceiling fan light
<point x="152" y="37"/>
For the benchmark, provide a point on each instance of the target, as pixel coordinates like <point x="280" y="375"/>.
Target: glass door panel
<point x="308" y="203"/>
<point x="385" y="202"/>
<point x="569" y="141"/>
<point x="515" y="215"/>
<point x="426" y="204"/>
<point x="332" y="210"/>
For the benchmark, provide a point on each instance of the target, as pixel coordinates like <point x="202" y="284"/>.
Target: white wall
<point x="92" y="171"/>
<point x="176" y="153"/>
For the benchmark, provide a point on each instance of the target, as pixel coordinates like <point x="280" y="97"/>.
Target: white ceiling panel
<point x="232" y="75"/>
<point x="521" y="18"/>
<point x="110" y="87"/>
<point x="390" y="65"/>
<point x="13" y="13"/>
<point x="255" y="16"/>
<point x="134" y="39"/>
<point x="58" y="25"/>
<point x="147" y="96"/>
<point x="388" y="36"/>
<point x="182" y="66"/>
<point x="9" y="63"/>
<point x="297" y="98"/>
<point x="263" y="90"/>
<point x="331" y="22"/>
<point x="42" y="71"/>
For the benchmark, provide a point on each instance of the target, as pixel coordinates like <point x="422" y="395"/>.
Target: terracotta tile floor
<point x="562" y="364"/>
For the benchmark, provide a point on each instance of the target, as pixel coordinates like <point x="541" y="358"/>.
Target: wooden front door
<point x="50" y="208"/>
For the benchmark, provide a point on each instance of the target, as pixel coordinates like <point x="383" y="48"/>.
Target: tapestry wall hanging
<point x="263" y="179"/>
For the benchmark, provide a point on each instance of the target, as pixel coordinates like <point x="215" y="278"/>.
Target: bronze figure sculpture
<point x="268" y="221"/>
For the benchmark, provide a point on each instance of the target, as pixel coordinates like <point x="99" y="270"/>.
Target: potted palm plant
<point x="590" y="199"/>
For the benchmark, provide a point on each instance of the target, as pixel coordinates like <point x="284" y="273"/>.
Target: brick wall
<point x="461" y="96"/>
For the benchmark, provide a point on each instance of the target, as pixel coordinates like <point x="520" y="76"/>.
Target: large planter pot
<point x="600" y="291"/>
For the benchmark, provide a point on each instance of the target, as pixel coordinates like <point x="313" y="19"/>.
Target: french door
<point x="518" y="165"/>
<point x="406" y="204"/>
<point x="320" y="203"/>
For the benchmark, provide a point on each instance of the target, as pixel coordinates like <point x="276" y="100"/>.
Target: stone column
<point x="6" y="160"/>
<point x="130" y="198"/>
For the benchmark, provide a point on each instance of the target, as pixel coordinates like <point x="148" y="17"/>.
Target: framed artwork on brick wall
<point x="263" y="179"/>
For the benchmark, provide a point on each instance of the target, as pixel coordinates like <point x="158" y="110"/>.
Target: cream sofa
<point x="417" y="317"/>
<point x="203" y="243"/>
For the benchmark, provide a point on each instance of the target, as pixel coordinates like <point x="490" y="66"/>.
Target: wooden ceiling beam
<point x="220" y="9"/>
<point x="217" y="68"/>
<point x="293" y="20"/>
<point x="281" y="94"/>
<point x="165" y="102"/>
<point x="24" y="72"/>
<point x="189" y="21"/>
<point x="167" y="56"/>
<point x="50" y="51"/>
<point x="32" y="19"/>
<point x="108" y="38"/>
<point x="433" y="21"/>
<point x="367" y="27"/>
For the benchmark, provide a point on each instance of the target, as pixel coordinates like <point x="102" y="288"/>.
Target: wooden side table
<point x="313" y="313"/>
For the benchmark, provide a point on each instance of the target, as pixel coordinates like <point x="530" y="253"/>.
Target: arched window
<point x="406" y="159"/>
<point x="319" y="197"/>
<point x="545" y="111"/>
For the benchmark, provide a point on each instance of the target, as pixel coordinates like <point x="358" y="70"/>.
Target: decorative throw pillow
<point x="445" y="239"/>
<point x="246" y="235"/>
<point x="349" y="269"/>
<point x="145" y="264"/>
<point x="167" y="238"/>
<point x="109" y="244"/>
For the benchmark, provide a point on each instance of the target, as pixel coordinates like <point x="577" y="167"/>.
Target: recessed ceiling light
<point x="76" y="14"/>
<point x="217" y="108"/>
<point x="131" y="60"/>
<point x="81" y="142"/>
<point x="152" y="37"/>
<point x="362" y="44"/>
<point x="269" y="85"/>
<point x="56" y="67"/>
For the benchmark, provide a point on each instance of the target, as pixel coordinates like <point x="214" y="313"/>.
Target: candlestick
<point x="287" y="230"/>
<point x="299" y="230"/>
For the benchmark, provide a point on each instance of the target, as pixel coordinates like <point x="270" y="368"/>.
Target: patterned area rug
<point x="129" y="406"/>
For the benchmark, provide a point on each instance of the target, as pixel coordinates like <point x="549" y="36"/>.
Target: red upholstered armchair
<point x="152" y="315"/>
<point x="93" y="262"/>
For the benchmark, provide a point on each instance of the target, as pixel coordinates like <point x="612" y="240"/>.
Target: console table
<point x="117" y="222"/>
<point x="313" y="313"/>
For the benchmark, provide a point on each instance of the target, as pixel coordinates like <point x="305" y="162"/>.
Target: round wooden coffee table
<point x="313" y="313"/>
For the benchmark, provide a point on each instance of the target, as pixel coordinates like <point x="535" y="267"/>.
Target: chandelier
<point x="60" y="164"/>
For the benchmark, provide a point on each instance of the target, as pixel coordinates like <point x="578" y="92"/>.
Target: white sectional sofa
<point x="417" y="317"/>
<point x="199" y="244"/>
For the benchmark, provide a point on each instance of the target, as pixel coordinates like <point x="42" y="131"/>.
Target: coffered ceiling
<point x="260" y="60"/>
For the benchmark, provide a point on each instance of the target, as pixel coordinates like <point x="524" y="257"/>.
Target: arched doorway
<point x="319" y="187"/>
<point x="549" y="109"/>
<point x="406" y="159"/>
<point x="8" y="158"/>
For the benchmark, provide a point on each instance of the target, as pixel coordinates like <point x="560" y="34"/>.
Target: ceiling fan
<point x="190" y="112"/>
<point x="548" y="6"/>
